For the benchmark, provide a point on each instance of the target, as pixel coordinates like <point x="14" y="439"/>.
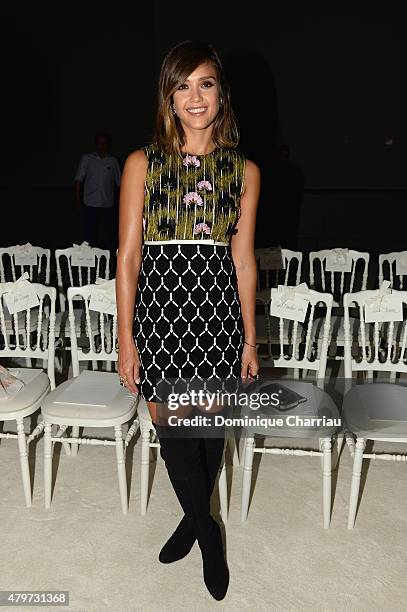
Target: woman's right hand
<point x="128" y="366"/>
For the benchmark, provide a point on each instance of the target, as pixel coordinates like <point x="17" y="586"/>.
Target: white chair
<point x="149" y="440"/>
<point x="337" y="283"/>
<point x="17" y="259"/>
<point x="18" y="340"/>
<point x="70" y="274"/>
<point x="269" y="275"/>
<point x="340" y="282"/>
<point x="377" y="410"/>
<point x="301" y="354"/>
<point x="90" y="399"/>
<point x="96" y="264"/>
<point x="393" y="267"/>
<point x="31" y="261"/>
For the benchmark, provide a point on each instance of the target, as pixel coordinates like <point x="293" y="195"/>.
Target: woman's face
<point x="196" y="102"/>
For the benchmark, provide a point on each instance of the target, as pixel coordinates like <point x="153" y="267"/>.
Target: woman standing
<point x="186" y="277"/>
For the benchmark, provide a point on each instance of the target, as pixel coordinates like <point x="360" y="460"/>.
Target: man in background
<point x="97" y="183"/>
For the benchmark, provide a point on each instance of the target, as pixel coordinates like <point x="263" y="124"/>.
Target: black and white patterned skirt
<point x="188" y="323"/>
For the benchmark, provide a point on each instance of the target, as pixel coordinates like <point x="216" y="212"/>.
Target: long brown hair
<point x="178" y="64"/>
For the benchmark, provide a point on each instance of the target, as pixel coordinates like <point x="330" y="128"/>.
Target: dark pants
<point x="100" y="227"/>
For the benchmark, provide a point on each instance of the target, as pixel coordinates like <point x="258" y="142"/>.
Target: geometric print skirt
<point x="188" y="324"/>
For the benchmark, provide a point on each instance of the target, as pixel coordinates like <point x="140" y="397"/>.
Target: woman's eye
<point x="183" y="86"/>
<point x="207" y="84"/>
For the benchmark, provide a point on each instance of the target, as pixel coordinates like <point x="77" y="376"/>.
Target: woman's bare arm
<point x="128" y="261"/>
<point x="242" y="245"/>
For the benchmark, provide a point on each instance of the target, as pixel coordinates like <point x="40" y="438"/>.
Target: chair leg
<point x="121" y="467"/>
<point x="223" y="491"/>
<point x="231" y="441"/>
<point x="247" y="477"/>
<point x="338" y="448"/>
<point x="244" y="436"/>
<point x="327" y="480"/>
<point x="355" y="485"/>
<point x="25" y="470"/>
<point x="145" y="469"/>
<point x="74" y="445"/>
<point x="47" y="465"/>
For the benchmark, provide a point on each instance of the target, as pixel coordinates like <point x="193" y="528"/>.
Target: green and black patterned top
<point x="192" y="197"/>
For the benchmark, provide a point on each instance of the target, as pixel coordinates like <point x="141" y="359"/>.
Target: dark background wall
<point x="329" y="82"/>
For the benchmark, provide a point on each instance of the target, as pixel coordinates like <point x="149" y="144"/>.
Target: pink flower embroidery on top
<point x="204" y="185"/>
<point x="192" y="198"/>
<point x="201" y="228"/>
<point x="191" y="160"/>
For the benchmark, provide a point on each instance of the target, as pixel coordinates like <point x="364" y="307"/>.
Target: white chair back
<point x="100" y="346"/>
<point x="12" y="266"/>
<point x="379" y="346"/>
<point x="30" y="333"/>
<point x="297" y="348"/>
<point x="393" y="267"/>
<point x="338" y="283"/>
<point x="69" y="275"/>
<point x="268" y="277"/>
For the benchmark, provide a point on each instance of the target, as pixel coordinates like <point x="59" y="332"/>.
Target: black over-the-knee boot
<point x="186" y="470"/>
<point x="183" y="538"/>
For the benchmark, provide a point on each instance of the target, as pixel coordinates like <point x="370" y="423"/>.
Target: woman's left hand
<point x="250" y="362"/>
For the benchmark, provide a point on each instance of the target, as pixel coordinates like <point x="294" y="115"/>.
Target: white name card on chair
<point x="83" y="255"/>
<point x="290" y="302"/>
<point x="271" y="259"/>
<point x="384" y="308"/>
<point x="25" y="255"/>
<point x="21" y="295"/>
<point x="338" y="260"/>
<point x="401" y="263"/>
<point x="103" y="298"/>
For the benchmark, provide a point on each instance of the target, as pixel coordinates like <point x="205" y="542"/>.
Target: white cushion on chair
<point x="28" y="399"/>
<point x="377" y="411"/>
<point x="120" y="403"/>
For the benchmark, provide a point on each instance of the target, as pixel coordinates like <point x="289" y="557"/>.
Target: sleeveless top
<point x="192" y="197"/>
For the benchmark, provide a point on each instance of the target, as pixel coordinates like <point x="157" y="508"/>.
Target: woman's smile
<point x="197" y="111"/>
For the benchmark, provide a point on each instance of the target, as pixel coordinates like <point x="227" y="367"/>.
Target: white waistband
<point x="206" y="241"/>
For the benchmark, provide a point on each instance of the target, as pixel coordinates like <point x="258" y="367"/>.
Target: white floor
<point x="281" y="559"/>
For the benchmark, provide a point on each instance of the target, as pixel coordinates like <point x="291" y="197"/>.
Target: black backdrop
<point x="329" y="82"/>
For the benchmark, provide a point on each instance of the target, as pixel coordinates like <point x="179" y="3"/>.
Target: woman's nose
<point x="196" y="93"/>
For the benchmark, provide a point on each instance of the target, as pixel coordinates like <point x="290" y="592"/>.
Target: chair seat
<point x="318" y="405"/>
<point x="28" y="399"/>
<point x="377" y="411"/>
<point x="62" y="322"/>
<point x="337" y="328"/>
<point x="71" y="402"/>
